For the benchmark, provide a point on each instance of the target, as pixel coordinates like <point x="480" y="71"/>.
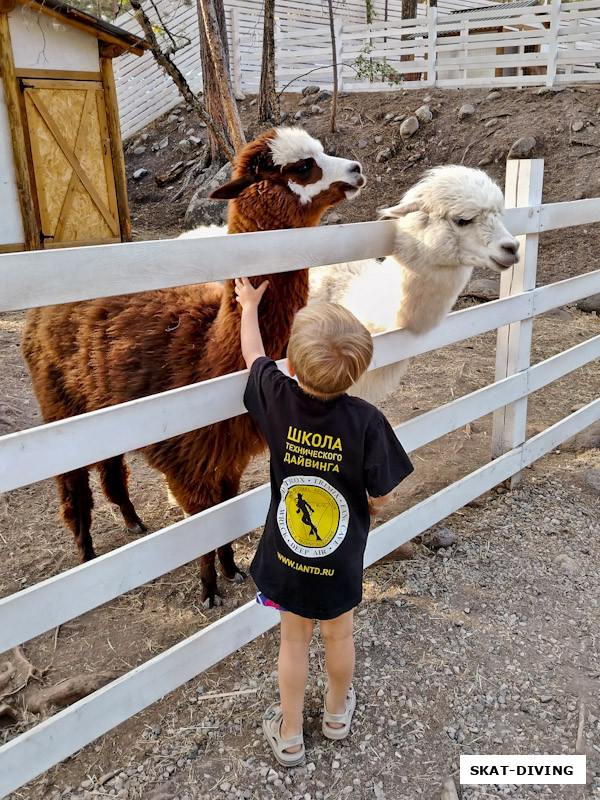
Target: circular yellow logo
<point x="312" y="515"/>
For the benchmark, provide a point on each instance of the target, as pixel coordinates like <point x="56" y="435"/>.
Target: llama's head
<point x="455" y="214"/>
<point x="284" y="179"/>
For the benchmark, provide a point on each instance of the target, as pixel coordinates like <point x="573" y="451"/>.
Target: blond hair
<point x="329" y="348"/>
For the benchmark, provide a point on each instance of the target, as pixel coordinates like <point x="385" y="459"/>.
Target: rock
<point x="586" y="440"/>
<point x="282" y="116"/>
<point x="241" y="97"/>
<point x="383" y="155"/>
<point x="311" y="90"/>
<point x="409" y="127"/>
<point x="334" y="219"/>
<point x="405" y="552"/>
<point x="491" y="122"/>
<point x="592" y="478"/>
<point x="423" y="114"/>
<point x="378" y="139"/>
<point x="389" y="117"/>
<point x="163" y="143"/>
<point x="562" y="312"/>
<point x="399" y="117"/>
<point x="466" y="111"/>
<point x="299" y="114"/>
<point x="566" y="564"/>
<point x="144" y="137"/>
<point x="483" y="288"/>
<point x="139" y="173"/>
<point x="589" y="304"/>
<point x="139" y="151"/>
<point x="415" y="157"/>
<point x="494" y="95"/>
<point x="577" y="125"/>
<point x="203" y="211"/>
<point x="172" y="118"/>
<point x="362" y="143"/>
<point x="315" y="109"/>
<point x="195" y="140"/>
<point x="324" y="96"/>
<point x="440" y="536"/>
<point x="485" y="161"/>
<point x="185" y="146"/>
<point x="522" y="148"/>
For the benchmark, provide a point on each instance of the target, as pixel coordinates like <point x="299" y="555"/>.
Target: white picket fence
<point x="43" y="278"/>
<point x="551" y="44"/>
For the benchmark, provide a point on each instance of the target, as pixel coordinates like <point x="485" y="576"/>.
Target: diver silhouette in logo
<point x="305" y="509"/>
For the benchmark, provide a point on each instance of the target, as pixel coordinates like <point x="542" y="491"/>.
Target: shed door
<point x="71" y="154"/>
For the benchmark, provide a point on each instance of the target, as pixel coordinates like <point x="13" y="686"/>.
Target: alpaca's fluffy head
<point x="455" y="214"/>
<point x="290" y="159"/>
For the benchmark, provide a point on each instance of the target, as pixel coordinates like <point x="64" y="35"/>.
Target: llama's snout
<point x="507" y="253"/>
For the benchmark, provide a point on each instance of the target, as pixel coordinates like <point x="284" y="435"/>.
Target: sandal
<point x="345" y="719"/>
<point x="271" y="725"/>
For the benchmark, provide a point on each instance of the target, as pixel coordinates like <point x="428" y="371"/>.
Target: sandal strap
<point x="328" y="716"/>
<point x="272" y="714"/>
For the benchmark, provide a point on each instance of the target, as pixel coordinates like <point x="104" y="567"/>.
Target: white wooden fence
<point x="551" y="44"/>
<point x="43" y="278"/>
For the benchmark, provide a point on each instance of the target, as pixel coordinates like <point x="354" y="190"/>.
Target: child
<point x="334" y="461"/>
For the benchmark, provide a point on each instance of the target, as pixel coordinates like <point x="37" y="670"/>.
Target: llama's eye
<point x="462" y="222"/>
<point x="303" y="168"/>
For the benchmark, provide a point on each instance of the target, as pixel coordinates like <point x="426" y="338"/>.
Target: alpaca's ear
<point x="401" y="210"/>
<point x="232" y="189"/>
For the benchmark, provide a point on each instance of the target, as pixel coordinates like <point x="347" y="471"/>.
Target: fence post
<point x="236" y="59"/>
<point x="553" y="42"/>
<point x="338" y="25"/>
<point x="524" y="179"/>
<point x="432" y="14"/>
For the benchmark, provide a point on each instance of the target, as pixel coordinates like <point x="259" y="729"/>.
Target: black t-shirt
<point x="325" y="456"/>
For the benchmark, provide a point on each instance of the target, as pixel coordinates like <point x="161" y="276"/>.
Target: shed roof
<point x="102" y="30"/>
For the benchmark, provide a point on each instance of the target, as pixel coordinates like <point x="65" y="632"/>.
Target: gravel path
<point x="487" y="646"/>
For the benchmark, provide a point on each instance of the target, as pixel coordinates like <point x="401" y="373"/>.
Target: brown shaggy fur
<point x="85" y="356"/>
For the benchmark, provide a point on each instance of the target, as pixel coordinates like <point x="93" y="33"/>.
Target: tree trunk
<point x="334" y="99"/>
<point x="268" y="101"/>
<point x="172" y="70"/>
<point x="409" y="9"/>
<point x="218" y="93"/>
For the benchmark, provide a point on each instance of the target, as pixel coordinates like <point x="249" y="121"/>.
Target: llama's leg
<point x="228" y="566"/>
<point x="114" y="475"/>
<point x="76" y="505"/>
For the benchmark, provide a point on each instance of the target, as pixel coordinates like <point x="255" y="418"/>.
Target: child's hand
<point x="246" y="295"/>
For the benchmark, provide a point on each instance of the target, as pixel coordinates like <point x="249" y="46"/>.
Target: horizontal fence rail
<point x="42" y="278"/>
<point x="38" y="453"/>
<point x="69" y="730"/>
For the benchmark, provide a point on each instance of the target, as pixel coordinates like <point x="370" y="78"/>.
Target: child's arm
<point x="376" y="504"/>
<point x="249" y="298"/>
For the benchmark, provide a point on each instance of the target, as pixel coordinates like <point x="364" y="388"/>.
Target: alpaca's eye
<point x="462" y="222"/>
<point x="304" y="167"/>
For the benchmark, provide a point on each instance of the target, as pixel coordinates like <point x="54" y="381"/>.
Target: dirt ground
<point x="439" y="635"/>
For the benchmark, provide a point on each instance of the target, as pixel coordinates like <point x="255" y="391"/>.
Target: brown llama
<point x="89" y="355"/>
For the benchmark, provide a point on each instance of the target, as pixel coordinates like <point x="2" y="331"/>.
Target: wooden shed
<point x="62" y="172"/>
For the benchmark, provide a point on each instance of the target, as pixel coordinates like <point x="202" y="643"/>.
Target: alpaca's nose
<point x="510" y="246"/>
<point x="355" y="167"/>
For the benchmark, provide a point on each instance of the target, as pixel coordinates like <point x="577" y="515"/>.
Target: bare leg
<point x="296" y="633"/>
<point x="339" y="659"/>
<point x="76" y="503"/>
<point x="114" y="475"/>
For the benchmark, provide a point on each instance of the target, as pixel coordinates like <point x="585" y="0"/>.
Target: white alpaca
<point x="447" y="224"/>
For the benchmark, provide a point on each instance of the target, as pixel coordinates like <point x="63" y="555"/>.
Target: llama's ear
<point x="401" y="210"/>
<point x="232" y="189"/>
